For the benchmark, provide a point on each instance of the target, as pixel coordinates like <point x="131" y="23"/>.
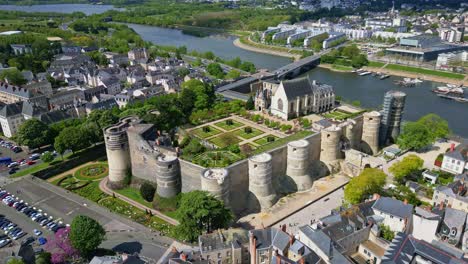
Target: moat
<point x="367" y="89"/>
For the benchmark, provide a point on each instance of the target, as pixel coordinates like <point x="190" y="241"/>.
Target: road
<point x="65" y="205"/>
<point x="316" y="210"/>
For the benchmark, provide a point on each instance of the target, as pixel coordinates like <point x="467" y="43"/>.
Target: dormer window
<point x="453" y="232"/>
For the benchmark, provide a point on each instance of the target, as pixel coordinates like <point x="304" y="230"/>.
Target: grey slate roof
<point x="32" y="109"/>
<point x="11" y="109"/>
<point x="457" y="154"/>
<point x="454" y="218"/>
<point x="393" y="207"/>
<point x="302" y="86"/>
<point x="404" y="248"/>
<point x="271" y="237"/>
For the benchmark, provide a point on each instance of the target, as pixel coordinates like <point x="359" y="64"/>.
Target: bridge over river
<point x="239" y="89"/>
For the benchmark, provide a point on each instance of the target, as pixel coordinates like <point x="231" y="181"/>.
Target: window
<point x="391" y="217"/>
<point x="280" y="104"/>
<point x="365" y="251"/>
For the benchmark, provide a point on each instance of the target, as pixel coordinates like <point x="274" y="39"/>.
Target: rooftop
<point x="393" y="207"/>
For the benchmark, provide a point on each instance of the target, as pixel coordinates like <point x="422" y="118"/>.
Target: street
<point x="316" y="210"/>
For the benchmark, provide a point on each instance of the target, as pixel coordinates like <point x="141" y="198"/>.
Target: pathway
<point x="72" y="171"/>
<point x="105" y="189"/>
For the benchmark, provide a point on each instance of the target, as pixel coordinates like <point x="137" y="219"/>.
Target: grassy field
<point x="264" y="140"/>
<point x="134" y="194"/>
<point x="241" y="133"/>
<point x="341" y="67"/>
<point x="245" y="40"/>
<point x="219" y="142"/>
<point x="282" y="141"/>
<point x="206" y="134"/>
<point x="376" y="64"/>
<point x="225" y="126"/>
<point x="336" y="115"/>
<point x="425" y="71"/>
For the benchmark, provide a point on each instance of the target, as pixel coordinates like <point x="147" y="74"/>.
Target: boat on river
<point x="455" y="98"/>
<point x="449" y="90"/>
<point x="384" y="76"/>
<point x="364" y="73"/>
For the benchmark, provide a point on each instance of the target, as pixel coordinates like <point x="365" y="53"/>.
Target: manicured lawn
<point x="216" y="159"/>
<point x="252" y="147"/>
<point x="38" y="167"/>
<point x="224" y="125"/>
<point x="282" y="141"/>
<point x="264" y="140"/>
<point x="220" y="143"/>
<point x="425" y="71"/>
<point x="241" y="133"/>
<point x="376" y="64"/>
<point x="341" y="67"/>
<point x="92" y="172"/>
<point x="135" y="195"/>
<point x="199" y="132"/>
<point x="336" y="115"/>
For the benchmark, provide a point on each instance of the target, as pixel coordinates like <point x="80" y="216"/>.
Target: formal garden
<point x="340" y="115"/>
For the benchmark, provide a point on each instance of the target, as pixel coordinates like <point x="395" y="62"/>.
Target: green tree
<point x="34" y="134"/>
<point x="47" y="157"/>
<point x="250" y="105"/>
<point x="13" y="76"/>
<point x="201" y="212"/>
<point x="86" y="234"/>
<point x="437" y="126"/>
<point x="43" y="258"/>
<point x="414" y="136"/>
<point x="204" y="94"/>
<point x="216" y="70"/>
<point x="147" y="191"/>
<point x="232" y="74"/>
<point x="408" y="165"/>
<point x="370" y="181"/>
<point x="15" y="261"/>
<point x="182" y="72"/>
<point x="248" y="67"/>
<point x="386" y="233"/>
<point x="72" y="138"/>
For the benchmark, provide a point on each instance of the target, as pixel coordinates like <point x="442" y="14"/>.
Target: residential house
<point x="406" y="249"/>
<point x="397" y="215"/>
<point x="452" y="226"/>
<point x="274" y="245"/>
<point x="456" y="159"/>
<point x="425" y="224"/>
<point x="11" y="118"/>
<point x="225" y="246"/>
<point x="20" y="49"/>
<point x="454" y="195"/>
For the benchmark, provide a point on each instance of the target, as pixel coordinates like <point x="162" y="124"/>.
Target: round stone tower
<point x="352" y="134"/>
<point x="216" y="181"/>
<point x="298" y="164"/>
<point x="260" y="180"/>
<point x="370" y="132"/>
<point x="330" y="144"/>
<point x="118" y="154"/>
<point x="168" y="176"/>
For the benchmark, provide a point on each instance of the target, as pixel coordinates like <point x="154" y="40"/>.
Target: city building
<point x="425" y="224"/>
<point x="446" y="61"/>
<point x="293" y="98"/>
<point x="422" y="48"/>
<point x="392" y="112"/>
<point x="20" y="49"/>
<point x="225" y="246"/>
<point x="397" y="215"/>
<point x="333" y="38"/>
<point x="273" y="245"/>
<point x="406" y="249"/>
<point x="454" y="195"/>
<point x="456" y="159"/>
<point x="11" y="94"/>
<point x="454" y="34"/>
<point x="452" y="226"/>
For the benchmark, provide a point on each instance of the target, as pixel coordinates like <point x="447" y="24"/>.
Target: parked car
<point x="12" y="171"/>
<point x="13" y="164"/>
<point x="31" y="162"/>
<point x="35" y="156"/>
<point x="37" y="232"/>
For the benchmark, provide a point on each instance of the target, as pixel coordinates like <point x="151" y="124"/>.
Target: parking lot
<point x="6" y="151"/>
<point x="64" y="205"/>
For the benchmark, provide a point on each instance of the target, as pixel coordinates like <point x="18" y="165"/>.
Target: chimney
<point x="375" y="197"/>
<point x="283" y="228"/>
<point x="452" y="147"/>
<point x="124" y="257"/>
<point x="405" y="201"/>
<point x="302" y="260"/>
<point x="441" y="206"/>
<point x="278" y="260"/>
<point x="183" y="257"/>
<point x="253" y="249"/>
<point x="291" y="240"/>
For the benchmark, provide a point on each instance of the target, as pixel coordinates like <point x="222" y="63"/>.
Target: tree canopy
<point x="71" y="138"/>
<point x="34" y="134"/>
<point x="13" y="76"/>
<point x="405" y="167"/>
<point x="370" y="181"/>
<point x="216" y="70"/>
<point x="419" y="134"/>
<point x="200" y="212"/>
<point x="86" y="234"/>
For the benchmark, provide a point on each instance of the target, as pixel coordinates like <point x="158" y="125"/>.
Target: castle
<point x="250" y="185"/>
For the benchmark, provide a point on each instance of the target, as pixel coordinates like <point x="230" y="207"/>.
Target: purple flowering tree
<point x="60" y="247"/>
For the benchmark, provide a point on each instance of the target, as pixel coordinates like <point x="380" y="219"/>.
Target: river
<point x="367" y="89"/>
<point x="61" y="8"/>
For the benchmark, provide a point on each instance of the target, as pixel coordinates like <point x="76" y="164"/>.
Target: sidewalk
<point x="104" y="188"/>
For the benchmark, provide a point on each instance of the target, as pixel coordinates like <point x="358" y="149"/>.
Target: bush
<point x="248" y="130"/>
<point x="270" y="139"/>
<point x="147" y="191"/>
<point x="267" y="122"/>
<point x="47" y="157"/>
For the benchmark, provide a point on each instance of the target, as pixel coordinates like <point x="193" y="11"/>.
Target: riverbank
<point x="426" y="77"/>
<point x="241" y="45"/>
<point x="335" y="68"/>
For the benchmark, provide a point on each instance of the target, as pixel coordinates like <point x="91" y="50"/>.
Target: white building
<point x="454" y="34"/>
<point x="456" y="160"/>
<point x="397" y="215"/>
<point x="425" y="225"/>
<point x="445" y="60"/>
<point x="11" y="117"/>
